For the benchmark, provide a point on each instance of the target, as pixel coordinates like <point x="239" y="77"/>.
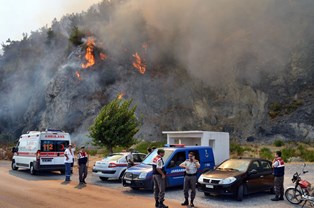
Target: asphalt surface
<point x="174" y="194"/>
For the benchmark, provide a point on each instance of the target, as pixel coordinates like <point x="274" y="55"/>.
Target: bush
<point x="236" y="149"/>
<point x="287" y="153"/>
<point x="266" y="153"/>
<point x="279" y="143"/>
<point x="92" y="152"/>
<point x="76" y="36"/>
<point x="142" y="146"/>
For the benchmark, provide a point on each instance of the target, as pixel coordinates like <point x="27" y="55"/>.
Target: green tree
<point x="115" y="125"/>
<point x="76" y="36"/>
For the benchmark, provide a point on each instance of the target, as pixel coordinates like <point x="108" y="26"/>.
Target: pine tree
<point x="115" y="125"/>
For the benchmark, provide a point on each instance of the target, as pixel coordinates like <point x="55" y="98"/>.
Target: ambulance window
<point x="47" y="146"/>
<point x="61" y="145"/>
<point x="177" y="159"/>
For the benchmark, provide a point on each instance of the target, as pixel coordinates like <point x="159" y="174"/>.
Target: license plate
<point x="209" y="186"/>
<point x="128" y="182"/>
<point x="46" y="160"/>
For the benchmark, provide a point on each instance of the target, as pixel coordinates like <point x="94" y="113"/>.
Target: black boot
<point x="192" y="204"/>
<point x="157" y="203"/>
<point x="186" y="202"/>
<point x="162" y="205"/>
<point x="275" y="199"/>
<point x="281" y="198"/>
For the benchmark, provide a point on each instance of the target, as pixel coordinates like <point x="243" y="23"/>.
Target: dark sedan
<point x="238" y="177"/>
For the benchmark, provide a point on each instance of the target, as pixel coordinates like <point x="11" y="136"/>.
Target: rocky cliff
<point x="246" y="68"/>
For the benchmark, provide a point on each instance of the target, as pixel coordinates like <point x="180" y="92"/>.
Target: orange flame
<point x="138" y="63"/>
<point x="120" y="96"/>
<point x="78" y="75"/>
<point x="89" y="56"/>
<point x="103" y="56"/>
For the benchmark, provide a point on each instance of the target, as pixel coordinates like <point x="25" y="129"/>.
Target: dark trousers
<point x="189" y="183"/>
<point x="82" y="172"/>
<point x="278" y="186"/>
<point x="67" y="171"/>
<point x="159" y="187"/>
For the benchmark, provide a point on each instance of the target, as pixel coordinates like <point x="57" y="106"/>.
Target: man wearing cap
<point x="159" y="178"/>
<point x="68" y="160"/>
<point x="82" y="159"/>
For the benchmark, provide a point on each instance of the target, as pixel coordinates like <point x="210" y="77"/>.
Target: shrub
<point x="76" y="36"/>
<point x="279" y="143"/>
<point x="287" y="153"/>
<point x="92" y="152"/>
<point x="236" y="149"/>
<point x="266" y="153"/>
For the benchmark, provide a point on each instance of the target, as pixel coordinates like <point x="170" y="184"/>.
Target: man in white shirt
<point x="129" y="158"/>
<point x="68" y="160"/>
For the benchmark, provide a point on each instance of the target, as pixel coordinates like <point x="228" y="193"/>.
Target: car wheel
<point x="206" y="194"/>
<point x="240" y="193"/>
<point x="103" y="178"/>
<point x="32" y="170"/>
<point x="13" y="165"/>
<point x="121" y="176"/>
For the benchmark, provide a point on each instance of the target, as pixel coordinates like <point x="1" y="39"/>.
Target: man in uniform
<point x="159" y="177"/>
<point x="191" y="165"/>
<point x="82" y="159"/>
<point x="279" y="172"/>
<point x="129" y="158"/>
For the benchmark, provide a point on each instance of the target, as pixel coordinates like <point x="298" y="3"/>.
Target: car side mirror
<point x="252" y="172"/>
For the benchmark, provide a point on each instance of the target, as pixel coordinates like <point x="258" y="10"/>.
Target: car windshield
<point x="234" y="164"/>
<point x="114" y="157"/>
<point x="149" y="159"/>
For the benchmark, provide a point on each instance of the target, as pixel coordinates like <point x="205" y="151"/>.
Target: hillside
<point x="244" y="67"/>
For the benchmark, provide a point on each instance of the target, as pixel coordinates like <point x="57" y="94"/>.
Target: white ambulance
<point x="41" y="150"/>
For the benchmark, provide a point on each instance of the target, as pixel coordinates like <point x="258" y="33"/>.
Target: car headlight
<point x="142" y="175"/>
<point x="200" y="179"/>
<point x="228" y="180"/>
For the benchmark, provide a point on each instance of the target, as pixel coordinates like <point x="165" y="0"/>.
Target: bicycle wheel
<point x="293" y="195"/>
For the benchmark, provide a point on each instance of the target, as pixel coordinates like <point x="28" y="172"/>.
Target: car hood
<point x="140" y="168"/>
<point x="221" y="174"/>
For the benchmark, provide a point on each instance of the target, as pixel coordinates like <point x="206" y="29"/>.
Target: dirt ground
<point x="20" y="189"/>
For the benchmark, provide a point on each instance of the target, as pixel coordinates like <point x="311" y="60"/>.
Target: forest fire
<point x="78" y="75"/>
<point x="89" y="55"/>
<point x="138" y="63"/>
<point x="120" y="96"/>
<point x="103" y="56"/>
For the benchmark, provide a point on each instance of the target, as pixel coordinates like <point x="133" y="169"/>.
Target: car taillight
<point x="38" y="155"/>
<point x="112" y="165"/>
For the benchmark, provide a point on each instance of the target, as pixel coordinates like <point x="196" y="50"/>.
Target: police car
<point x="41" y="150"/>
<point x="140" y="176"/>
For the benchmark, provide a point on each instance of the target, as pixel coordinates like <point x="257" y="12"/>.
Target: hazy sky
<point x="18" y="16"/>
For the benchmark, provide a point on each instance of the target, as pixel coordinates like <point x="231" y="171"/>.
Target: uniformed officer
<point x="159" y="177"/>
<point x="82" y="160"/>
<point x="191" y="165"/>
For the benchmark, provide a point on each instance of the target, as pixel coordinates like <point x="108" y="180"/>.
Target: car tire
<point x="240" y="193"/>
<point x="103" y="178"/>
<point x="206" y="194"/>
<point x="121" y="176"/>
<point x="13" y="165"/>
<point x="32" y="169"/>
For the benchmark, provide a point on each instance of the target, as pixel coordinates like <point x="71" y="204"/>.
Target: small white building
<point x="219" y="141"/>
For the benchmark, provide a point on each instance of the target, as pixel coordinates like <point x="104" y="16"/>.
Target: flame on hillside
<point x="89" y="55"/>
<point x="78" y="75"/>
<point x="120" y="96"/>
<point x="103" y="56"/>
<point x="138" y="63"/>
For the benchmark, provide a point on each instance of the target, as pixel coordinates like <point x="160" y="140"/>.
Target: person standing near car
<point x="279" y="172"/>
<point x="68" y="160"/>
<point x="159" y="178"/>
<point x="190" y="165"/>
<point x="129" y="158"/>
<point x="82" y="159"/>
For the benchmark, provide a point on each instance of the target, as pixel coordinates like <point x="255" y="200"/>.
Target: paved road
<point x="49" y="190"/>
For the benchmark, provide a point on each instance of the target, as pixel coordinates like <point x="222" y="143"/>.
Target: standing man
<point x="191" y="165"/>
<point x="68" y="160"/>
<point x="159" y="178"/>
<point x="279" y="172"/>
<point x="82" y="160"/>
<point x="129" y="158"/>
